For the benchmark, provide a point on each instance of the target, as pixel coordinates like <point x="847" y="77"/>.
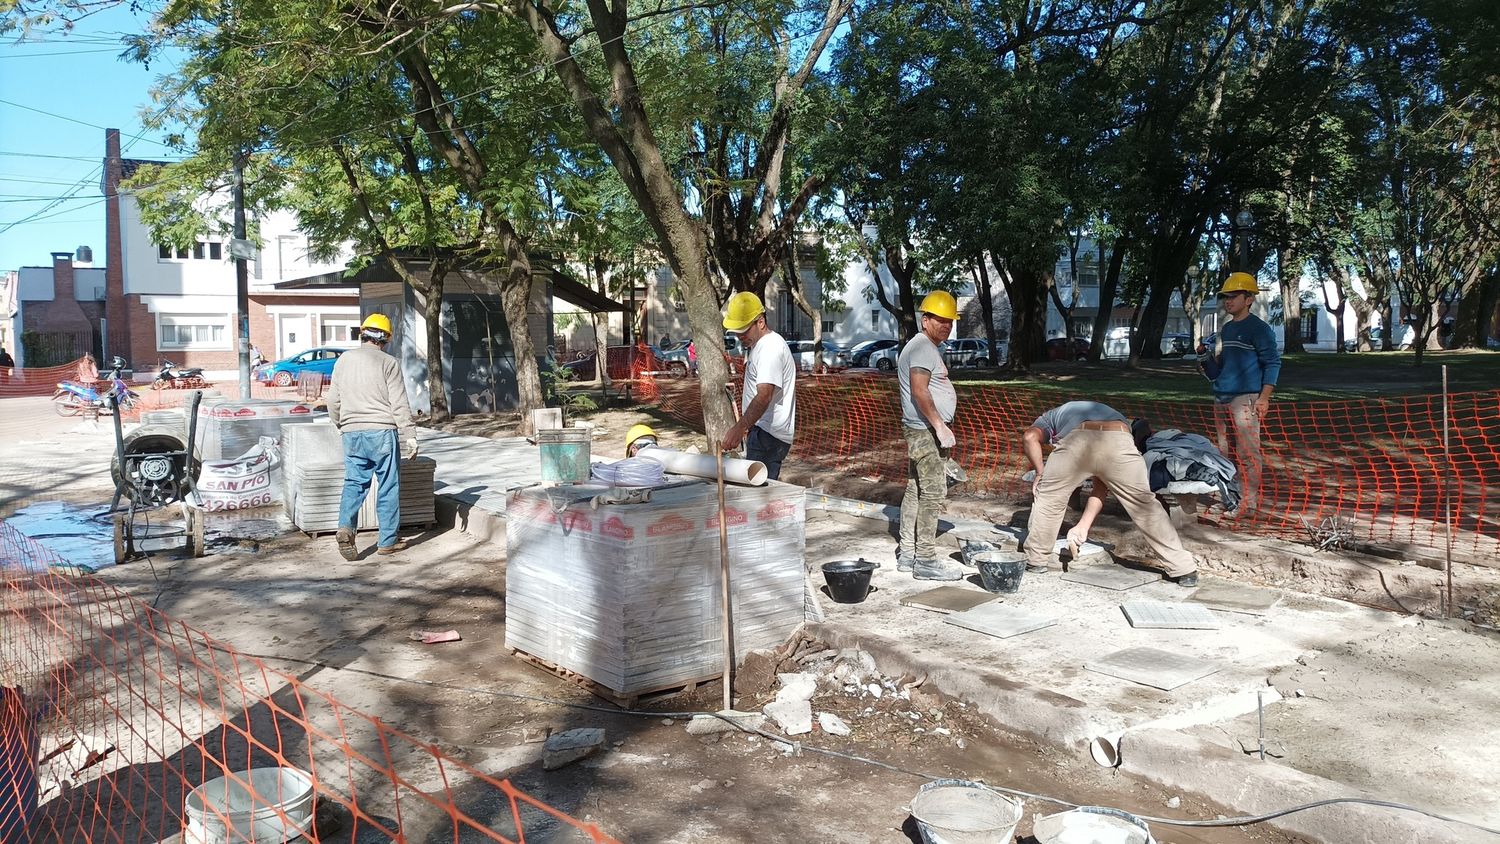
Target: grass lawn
<point x="1303" y="377"/>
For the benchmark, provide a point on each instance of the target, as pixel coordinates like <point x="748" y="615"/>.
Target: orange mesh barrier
<point x="112" y="713"/>
<point x="1375" y="466"/>
<point x="42" y="381"/>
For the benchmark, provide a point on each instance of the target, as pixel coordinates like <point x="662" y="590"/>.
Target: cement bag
<point x="242" y="482"/>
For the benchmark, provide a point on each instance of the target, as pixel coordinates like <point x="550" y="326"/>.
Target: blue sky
<point x="80" y="77"/>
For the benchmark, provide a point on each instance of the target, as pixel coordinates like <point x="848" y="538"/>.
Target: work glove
<point x="409" y="448"/>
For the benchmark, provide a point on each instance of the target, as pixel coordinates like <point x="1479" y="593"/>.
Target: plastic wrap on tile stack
<point x="628" y="595"/>
<point x="313" y="458"/>
<point x="228" y="428"/>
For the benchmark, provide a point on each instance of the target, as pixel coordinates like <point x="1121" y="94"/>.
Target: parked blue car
<point x="283" y="373"/>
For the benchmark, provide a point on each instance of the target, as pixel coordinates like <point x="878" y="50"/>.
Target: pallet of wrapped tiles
<point x="314" y="482"/>
<point x="628" y="595"/>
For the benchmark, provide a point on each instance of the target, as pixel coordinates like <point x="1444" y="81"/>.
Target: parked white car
<point x="834" y="357"/>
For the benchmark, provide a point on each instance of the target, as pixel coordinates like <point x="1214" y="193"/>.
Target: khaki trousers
<point x="1239" y="413"/>
<point x="1111" y="457"/>
<point x="926" y="490"/>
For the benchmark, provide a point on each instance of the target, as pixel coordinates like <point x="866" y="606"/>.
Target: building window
<point x="199" y="251"/>
<point x="827" y="326"/>
<point x="875" y="319"/>
<point x="340" y="332"/>
<point x="215" y="250"/>
<point x="164" y="252"/>
<point x="191" y="332"/>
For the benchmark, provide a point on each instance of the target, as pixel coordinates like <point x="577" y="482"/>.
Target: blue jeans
<point x="765" y="448"/>
<point x="377" y="453"/>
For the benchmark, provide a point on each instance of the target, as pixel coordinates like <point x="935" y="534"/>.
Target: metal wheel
<point x="66" y="405"/>
<point x="885" y="364"/>
<point x="283" y="379"/>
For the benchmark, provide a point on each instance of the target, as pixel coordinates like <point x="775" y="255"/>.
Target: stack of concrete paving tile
<point x="628" y="594"/>
<point x="313" y="482"/>
<point x="228" y="428"/>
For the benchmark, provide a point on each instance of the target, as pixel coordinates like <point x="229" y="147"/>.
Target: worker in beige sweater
<point x="367" y="401"/>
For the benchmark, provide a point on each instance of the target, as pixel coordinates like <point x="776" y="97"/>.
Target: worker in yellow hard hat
<point x="637" y="438"/>
<point x="768" y="415"/>
<point x="367" y="402"/>
<point x="928" y="402"/>
<point x="1244" y="366"/>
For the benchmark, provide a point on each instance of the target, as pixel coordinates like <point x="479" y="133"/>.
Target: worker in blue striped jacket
<point x="1243" y="366"/>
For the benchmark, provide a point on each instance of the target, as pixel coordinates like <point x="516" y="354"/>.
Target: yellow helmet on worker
<point x="638" y="432"/>
<point x="1240" y="283"/>
<point x="376" y="322"/>
<point x="939" y="303"/>
<point x="742" y="311"/>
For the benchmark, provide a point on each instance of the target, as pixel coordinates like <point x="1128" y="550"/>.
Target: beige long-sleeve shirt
<point x="368" y="394"/>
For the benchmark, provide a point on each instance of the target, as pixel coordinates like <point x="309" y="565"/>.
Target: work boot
<point x="1186" y="581"/>
<point x="904" y="561"/>
<point x="937" y="570"/>
<point x="347" y="549"/>
<point x="397" y="547"/>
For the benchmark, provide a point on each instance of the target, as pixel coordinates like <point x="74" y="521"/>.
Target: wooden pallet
<point x="624" y="700"/>
<point x="405" y="528"/>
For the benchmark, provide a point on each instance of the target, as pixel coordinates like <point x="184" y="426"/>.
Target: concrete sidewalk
<point x="1381" y="693"/>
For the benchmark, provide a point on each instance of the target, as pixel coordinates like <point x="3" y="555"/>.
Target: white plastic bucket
<point x="962" y="812"/>
<point x="261" y="805"/>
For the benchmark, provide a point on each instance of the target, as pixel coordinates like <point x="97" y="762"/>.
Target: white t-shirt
<point x="770" y="362"/>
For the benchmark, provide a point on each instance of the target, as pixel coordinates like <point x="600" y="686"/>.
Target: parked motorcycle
<point x="75" y="399"/>
<point x="173" y="377"/>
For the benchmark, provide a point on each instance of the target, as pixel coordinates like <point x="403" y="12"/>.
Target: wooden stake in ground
<point x="724" y="589"/>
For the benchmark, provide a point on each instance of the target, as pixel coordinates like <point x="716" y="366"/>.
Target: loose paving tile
<point x="1113" y="577"/>
<point x="1168" y="616"/>
<point x="999" y="621"/>
<point x="948" y="599"/>
<point x="1154" y="667"/>
<point x="1236" y="597"/>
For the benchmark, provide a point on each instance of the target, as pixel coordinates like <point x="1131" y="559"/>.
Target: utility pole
<point x="241" y="276"/>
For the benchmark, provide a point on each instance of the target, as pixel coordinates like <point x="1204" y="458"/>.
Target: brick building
<point x="178" y="303"/>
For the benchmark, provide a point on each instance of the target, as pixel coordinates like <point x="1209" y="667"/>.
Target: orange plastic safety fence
<point x="112" y="713"/>
<point x="1376" y="469"/>
<point x="42" y="381"/>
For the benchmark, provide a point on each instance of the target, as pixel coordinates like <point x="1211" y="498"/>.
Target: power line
<point x="18" y="197"/>
<point x="54" y="53"/>
<point x="38" y="215"/>
<point x="68" y="119"/>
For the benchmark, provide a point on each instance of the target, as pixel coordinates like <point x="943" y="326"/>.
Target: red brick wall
<point x="119" y="312"/>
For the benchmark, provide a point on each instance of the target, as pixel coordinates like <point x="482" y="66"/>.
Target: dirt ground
<point x="342" y="628"/>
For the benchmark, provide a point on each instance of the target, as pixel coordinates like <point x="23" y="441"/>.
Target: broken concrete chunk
<point x="731" y="721"/>
<point x="797" y="686"/>
<point x="794" y="717"/>
<point x="874" y="689"/>
<point x="832" y="724"/>
<point x="567" y="747"/>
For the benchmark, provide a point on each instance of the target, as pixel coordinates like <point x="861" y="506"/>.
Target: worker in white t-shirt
<point x="769" y="396"/>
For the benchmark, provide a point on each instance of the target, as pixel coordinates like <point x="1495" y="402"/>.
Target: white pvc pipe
<point x="736" y="471"/>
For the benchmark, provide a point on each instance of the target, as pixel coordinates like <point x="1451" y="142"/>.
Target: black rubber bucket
<point x="848" y="580"/>
<point x="1000" y="571"/>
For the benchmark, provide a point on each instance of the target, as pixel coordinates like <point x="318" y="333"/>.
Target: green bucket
<point x="565" y="454"/>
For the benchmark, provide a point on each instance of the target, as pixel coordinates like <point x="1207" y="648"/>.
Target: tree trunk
<point x="1169" y="266"/>
<point x="432" y="315"/>
<point x="1028" y="291"/>
<point x="1289" y="276"/>
<point x="1470" y="318"/>
<point x="902" y="270"/>
<point x="1109" y="285"/>
<point x="515" y="301"/>
<point x="987" y="310"/>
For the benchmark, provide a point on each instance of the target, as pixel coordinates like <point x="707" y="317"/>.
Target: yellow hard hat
<point x="1240" y="283"/>
<point x="377" y="322"/>
<point x="636" y="432"/>
<point x="939" y="303"/>
<point x="743" y="308"/>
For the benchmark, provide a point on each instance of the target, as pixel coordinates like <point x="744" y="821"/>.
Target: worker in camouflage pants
<point x="928" y="402"/>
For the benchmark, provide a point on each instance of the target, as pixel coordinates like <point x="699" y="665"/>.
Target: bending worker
<point x="769" y="394"/>
<point x="367" y="402"/>
<point x="1095" y="440"/>
<point x="638" y="437"/>
<point x="1244" y="367"/>
<point x="928" y="402"/>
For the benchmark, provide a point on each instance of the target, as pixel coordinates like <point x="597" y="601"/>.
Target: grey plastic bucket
<point x="962" y="812"/>
<point x="258" y="806"/>
<point x="1092" y="825"/>
<point x="1000" y="571"/>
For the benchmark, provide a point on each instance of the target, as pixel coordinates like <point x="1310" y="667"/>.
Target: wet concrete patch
<point x="82" y="536"/>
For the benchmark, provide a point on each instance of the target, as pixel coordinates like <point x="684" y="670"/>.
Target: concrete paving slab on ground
<point x="1154" y="667"/>
<point x="1000" y="621"/>
<point x="1117" y="578"/>
<point x="948" y="599"/>
<point x="1235" y="597"/>
<point x="1166" y="615"/>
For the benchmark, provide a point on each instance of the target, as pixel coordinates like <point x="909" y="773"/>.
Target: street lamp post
<point x="1244" y="222"/>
